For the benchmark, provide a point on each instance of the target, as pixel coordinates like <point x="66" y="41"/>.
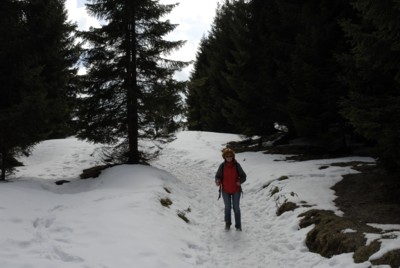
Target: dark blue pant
<point x="229" y="200"/>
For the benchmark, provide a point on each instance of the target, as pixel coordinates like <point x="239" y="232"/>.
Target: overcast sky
<point x="193" y="16"/>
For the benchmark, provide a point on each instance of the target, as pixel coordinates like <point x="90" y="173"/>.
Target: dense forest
<point x="323" y="71"/>
<point x="127" y="94"/>
<point x="38" y="80"/>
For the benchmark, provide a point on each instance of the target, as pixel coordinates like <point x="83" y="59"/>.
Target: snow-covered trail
<point x="116" y="220"/>
<point x="266" y="240"/>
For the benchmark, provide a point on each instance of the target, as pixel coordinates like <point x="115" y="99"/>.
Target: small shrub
<point x="166" y="202"/>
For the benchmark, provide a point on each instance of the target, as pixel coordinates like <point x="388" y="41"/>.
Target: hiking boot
<point x="238" y="228"/>
<point x="227" y="226"/>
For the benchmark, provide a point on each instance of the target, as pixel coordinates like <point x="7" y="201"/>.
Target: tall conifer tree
<point x="198" y="95"/>
<point x="253" y="72"/>
<point x="54" y="48"/>
<point x="14" y="76"/>
<point x="34" y="74"/>
<point x="208" y="81"/>
<point x="315" y="90"/>
<point x="129" y="87"/>
<point x="372" y="73"/>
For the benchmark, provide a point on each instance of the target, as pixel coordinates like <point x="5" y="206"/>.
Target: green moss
<point x="327" y="237"/>
<point x="363" y="253"/>
<point x="286" y="206"/>
<point x="391" y="258"/>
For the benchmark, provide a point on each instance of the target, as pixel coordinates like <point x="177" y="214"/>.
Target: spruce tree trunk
<point x="3" y="166"/>
<point x="131" y="84"/>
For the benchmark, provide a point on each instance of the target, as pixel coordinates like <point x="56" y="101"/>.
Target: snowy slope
<point x="117" y="220"/>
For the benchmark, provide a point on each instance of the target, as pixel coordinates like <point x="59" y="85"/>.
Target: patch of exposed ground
<point x="371" y="196"/>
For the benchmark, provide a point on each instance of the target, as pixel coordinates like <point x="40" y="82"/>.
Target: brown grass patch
<point x="328" y="237"/>
<point x="94" y="172"/>
<point x="286" y="206"/>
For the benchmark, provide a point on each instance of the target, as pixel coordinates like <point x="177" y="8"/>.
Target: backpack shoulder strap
<point x="241" y="173"/>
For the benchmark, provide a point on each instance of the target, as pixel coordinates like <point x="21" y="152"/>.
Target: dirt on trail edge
<point x="371" y="196"/>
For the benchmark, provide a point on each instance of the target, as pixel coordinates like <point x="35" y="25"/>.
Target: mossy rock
<point x="363" y="253"/>
<point x="327" y="237"/>
<point x="93" y="172"/>
<point x="274" y="191"/>
<point x="286" y="206"/>
<point x="166" y="202"/>
<point x="391" y="258"/>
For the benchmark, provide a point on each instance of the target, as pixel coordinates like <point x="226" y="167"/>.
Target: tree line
<point x="325" y="71"/>
<point x="128" y="91"/>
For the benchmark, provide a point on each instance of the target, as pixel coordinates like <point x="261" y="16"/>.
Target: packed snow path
<point x="267" y="240"/>
<point x="117" y="221"/>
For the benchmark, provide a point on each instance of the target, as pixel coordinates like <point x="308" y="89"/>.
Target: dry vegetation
<point x="371" y="196"/>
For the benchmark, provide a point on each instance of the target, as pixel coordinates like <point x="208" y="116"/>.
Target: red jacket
<point x="230" y="178"/>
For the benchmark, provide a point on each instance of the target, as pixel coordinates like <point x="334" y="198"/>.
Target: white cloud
<point x="77" y="14"/>
<point x="194" y="19"/>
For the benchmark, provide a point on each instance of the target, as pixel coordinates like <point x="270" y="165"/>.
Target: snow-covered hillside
<point x="118" y="221"/>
